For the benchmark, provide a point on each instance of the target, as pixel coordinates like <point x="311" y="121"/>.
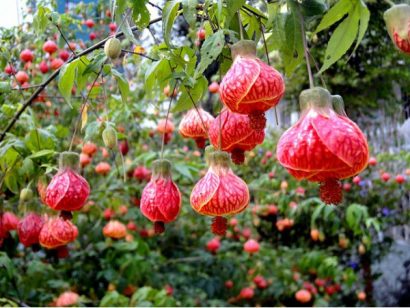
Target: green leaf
<point x="277" y="19"/>
<point x="189" y="11"/>
<point x="114" y="299"/>
<point x="219" y="11"/>
<point x="233" y="6"/>
<point x="140" y="13"/>
<point x="81" y="77"/>
<point x="312" y="8"/>
<point x="66" y="80"/>
<point x="183" y="169"/>
<point x="93" y="131"/>
<point x="210" y="51"/>
<point x="40" y="20"/>
<point x="316" y="213"/>
<point x="42" y="153"/>
<point x="169" y="13"/>
<point x="336" y="12"/>
<point x="126" y="28"/>
<point x="252" y="26"/>
<point x="5" y="87"/>
<point x="363" y="24"/>
<point x="158" y="68"/>
<point x="355" y="213"/>
<point x="27" y="167"/>
<point x="191" y="94"/>
<point x="293" y="49"/>
<point x="96" y="63"/>
<point x="39" y="139"/>
<point x="341" y="39"/>
<point x="122" y="84"/>
<point x="11" y="182"/>
<point x="7" y="265"/>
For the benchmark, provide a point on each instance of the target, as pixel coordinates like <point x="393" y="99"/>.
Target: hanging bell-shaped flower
<point x="323" y="146"/>
<point x="251" y="86"/>
<point x="56" y="232"/>
<point x="161" y="198"/>
<point x="234" y="134"/>
<point x="67" y="191"/>
<point x="195" y="124"/>
<point x="397" y="20"/>
<point x="220" y="192"/>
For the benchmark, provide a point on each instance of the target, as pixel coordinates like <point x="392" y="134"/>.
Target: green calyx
<point x="161" y="168"/>
<point x="69" y="160"/>
<point x="243" y="48"/>
<point x="338" y="105"/>
<point x="208" y="151"/>
<point x="315" y="97"/>
<point x="219" y="159"/>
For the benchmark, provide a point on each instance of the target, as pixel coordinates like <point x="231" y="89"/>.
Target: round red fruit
<point x="64" y="55"/>
<point x="56" y="63"/>
<point x="22" y="77"/>
<point x="213" y="87"/>
<point x="26" y="55"/>
<point x="89" y="23"/>
<point x="400" y="179"/>
<point x="303" y="296"/>
<point x="201" y="34"/>
<point x="251" y="246"/>
<point x="50" y="47"/>
<point x="213" y="245"/>
<point x="43" y="67"/>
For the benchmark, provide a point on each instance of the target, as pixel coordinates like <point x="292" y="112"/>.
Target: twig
<point x="240" y="25"/>
<point x="140" y="54"/>
<point x="166" y="120"/>
<point x="55" y="73"/>
<point x="254" y="13"/>
<point x="318" y="69"/>
<point x="82" y="109"/>
<point x="65" y="39"/>
<point x="154" y="5"/>
<point x="267" y="59"/>
<point x="306" y="50"/>
<point x="197" y="110"/>
<point x="26" y="88"/>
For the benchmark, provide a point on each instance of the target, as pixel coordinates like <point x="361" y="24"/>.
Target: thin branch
<point x="166" y="120"/>
<point x="13" y="72"/>
<point x="306" y="50"/>
<point x="84" y="104"/>
<point x="267" y="59"/>
<point x="26" y="88"/>
<point x="197" y="111"/>
<point x="65" y="39"/>
<point x="55" y="73"/>
<point x="254" y="13"/>
<point x="318" y="69"/>
<point x="140" y="54"/>
<point x="240" y="24"/>
<point x="153" y="36"/>
<point x="154" y="5"/>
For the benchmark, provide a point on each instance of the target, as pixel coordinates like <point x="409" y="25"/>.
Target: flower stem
<point x="240" y="25"/>
<point x="306" y="50"/>
<point x="166" y="120"/>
